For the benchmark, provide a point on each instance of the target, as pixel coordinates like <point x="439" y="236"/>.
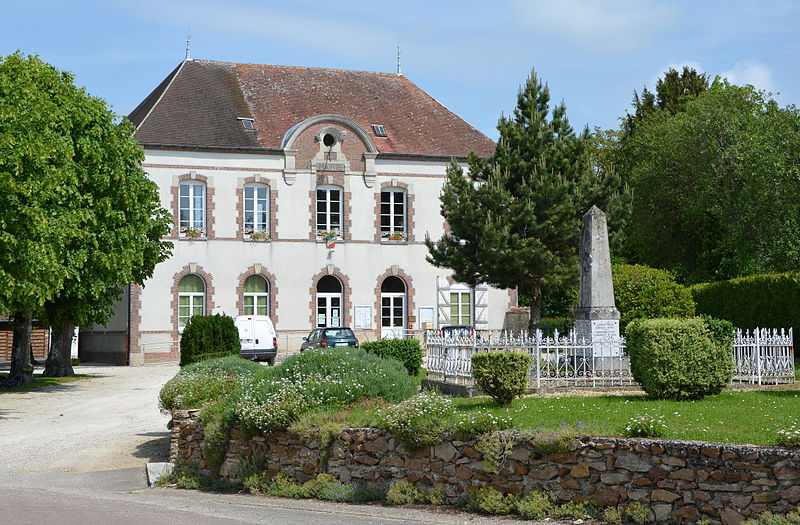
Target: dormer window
<point x="247" y="123"/>
<point x="379" y="130"/>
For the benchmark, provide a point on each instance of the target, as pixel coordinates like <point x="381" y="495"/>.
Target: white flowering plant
<point x="479" y="422"/>
<point x="789" y="437"/>
<point x="645" y="426"/>
<point x="419" y="421"/>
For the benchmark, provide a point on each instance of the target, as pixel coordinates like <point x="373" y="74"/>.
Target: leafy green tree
<point x="673" y="92"/>
<point x="78" y="217"/>
<point x="515" y="218"/>
<point x="715" y="186"/>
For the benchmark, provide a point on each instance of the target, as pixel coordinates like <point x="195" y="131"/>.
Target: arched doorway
<point x="329" y="302"/>
<point x="393" y="308"/>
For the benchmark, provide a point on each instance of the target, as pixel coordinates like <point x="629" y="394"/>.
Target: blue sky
<point x="470" y="55"/>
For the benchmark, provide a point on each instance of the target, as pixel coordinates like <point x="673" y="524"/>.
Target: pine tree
<point x="514" y="219"/>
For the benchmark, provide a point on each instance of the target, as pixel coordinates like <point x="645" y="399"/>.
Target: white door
<point x="393" y="308"/>
<point x="329" y="309"/>
<point x="393" y="315"/>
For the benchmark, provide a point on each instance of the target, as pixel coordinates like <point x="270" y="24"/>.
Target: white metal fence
<point x="565" y="360"/>
<point x="763" y="356"/>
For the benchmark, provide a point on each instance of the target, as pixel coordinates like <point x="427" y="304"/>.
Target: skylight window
<point x="379" y="130"/>
<point x="247" y="123"/>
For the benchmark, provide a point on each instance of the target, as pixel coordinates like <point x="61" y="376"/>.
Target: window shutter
<point x="481" y="305"/>
<point x="443" y="301"/>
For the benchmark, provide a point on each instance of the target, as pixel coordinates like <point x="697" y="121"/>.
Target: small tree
<point x="207" y="336"/>
<point x="641" y="292"/>
<point x="502" y="375"/>
<point x="515" y="218"/>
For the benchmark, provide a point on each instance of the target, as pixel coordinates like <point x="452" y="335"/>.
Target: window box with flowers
<point x="395" y="237"/>
<point x="193" y="233"/>
<point x="256" y="235"/>
<point x="329" y="237"/>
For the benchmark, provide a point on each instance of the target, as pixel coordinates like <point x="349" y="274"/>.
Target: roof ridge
<point x="161" y="96"/>
<point x="314" y="68"/>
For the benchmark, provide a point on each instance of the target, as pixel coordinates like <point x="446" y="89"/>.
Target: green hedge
<point x="209" y="336"/>
<point x="501" y="375"/>
<point x="678" y="358"/>
<point x="407" y="351"/>
<point x="642" y="292"/>
<point x="764" y="300"/>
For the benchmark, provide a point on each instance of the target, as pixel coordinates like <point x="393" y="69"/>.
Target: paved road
<point x="76" y="453"/>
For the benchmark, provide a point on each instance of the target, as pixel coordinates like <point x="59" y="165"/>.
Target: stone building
<point x="301" y="193"/>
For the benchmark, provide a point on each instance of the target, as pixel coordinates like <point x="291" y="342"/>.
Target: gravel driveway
<point x="111" y="421"/>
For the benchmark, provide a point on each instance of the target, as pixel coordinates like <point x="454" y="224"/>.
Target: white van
<point x="257" y="337"/>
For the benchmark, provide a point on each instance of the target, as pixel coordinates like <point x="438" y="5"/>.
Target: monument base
<point x="603" y="334"/>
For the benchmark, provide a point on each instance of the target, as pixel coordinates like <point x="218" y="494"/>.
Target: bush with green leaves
<point x="315" y="380"/>
<point x="418" y="422"/>
<point x="407" y="351"/>
<point x="642" y="292"/>
<point x="677" y="358"/>
<point x="488" y="500"/>
<point x="209" y="336"/>
<point x="536" y="505"/>
<point x="762" y="300"/>
<point x="501" y="375"/>
<point x="204" y="381"/>
<point x="769" y="518"/>
<point x="404" y="493"/>
<point x="720" y="330"/>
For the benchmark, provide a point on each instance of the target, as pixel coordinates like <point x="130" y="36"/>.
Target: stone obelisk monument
<point x="597" y="317"/>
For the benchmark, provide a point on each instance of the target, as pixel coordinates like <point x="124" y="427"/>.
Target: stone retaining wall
<point x="676" y="479"/>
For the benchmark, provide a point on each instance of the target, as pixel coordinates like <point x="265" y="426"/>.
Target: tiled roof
<point x="199" y="102"/>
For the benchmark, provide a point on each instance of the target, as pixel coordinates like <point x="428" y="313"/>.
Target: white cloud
<point x="750" y="72"/>
<point x="598" y="25"/>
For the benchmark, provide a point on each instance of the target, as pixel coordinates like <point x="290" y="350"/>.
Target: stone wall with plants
<point x="684" y="481"/>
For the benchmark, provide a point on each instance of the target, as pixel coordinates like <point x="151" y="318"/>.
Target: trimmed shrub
<point x="642" y="292"/>
<point x="720" y="330"/>
<point x="407" y="351"/>
<point x="209" y="336"/>
<point x="198" y="383"/>
<point x="501" y="375"/>
<point x="764" y="300"/>
<point x="314" y="380"/>
<point x="677" y="358"/>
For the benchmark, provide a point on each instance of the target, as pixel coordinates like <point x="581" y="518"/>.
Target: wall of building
<point x="678" y="480"/>
<point x="294" y="256"/>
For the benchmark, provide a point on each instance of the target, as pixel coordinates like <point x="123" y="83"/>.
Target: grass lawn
<point x="731" y="417"/>
<point x="40" y="382"/>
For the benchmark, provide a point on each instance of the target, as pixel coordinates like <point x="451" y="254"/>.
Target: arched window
<point x="191" y="298"/>
<point x="256" y="210"/>
<point x="192" y="208"/>
<point x="256" y="296"/>
<point x="393" y="214"/>
<point x="329" y="209"/>
<point x="329" y="302"/>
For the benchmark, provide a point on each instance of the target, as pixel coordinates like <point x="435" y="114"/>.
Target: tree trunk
<point x="59" y="358"/>
<point x="21" y="367"/>
<point x="535" y="294"/>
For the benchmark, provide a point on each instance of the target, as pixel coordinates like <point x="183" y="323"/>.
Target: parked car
<point x="325" y="337"/>
<point x="257" y="337"/>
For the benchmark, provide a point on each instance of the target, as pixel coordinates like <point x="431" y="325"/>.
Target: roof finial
<point x="399" y="72"/>
<point x="188" y="42"/>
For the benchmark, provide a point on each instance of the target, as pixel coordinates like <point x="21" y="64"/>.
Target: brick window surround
<point x="346" y="292"/>
<point x="175" y="190"/>
<point x="273" y="206"/>
<point x="273" y="291"/>
<point x="176" y="279"/>
<point x="409" y="210"/>
<point x="411" y="306"/>
<point x="329" y="179"/>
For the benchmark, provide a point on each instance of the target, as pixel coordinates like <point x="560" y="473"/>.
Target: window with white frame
<point x="393" y="214"/>
<point x="192" y="208"/>
<point x="256" y="296"/>
<point x="191" y="298"/>
<point x="461" y="308"/>
<point x="256" y="210"/>
<point x="329" y="210"/>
